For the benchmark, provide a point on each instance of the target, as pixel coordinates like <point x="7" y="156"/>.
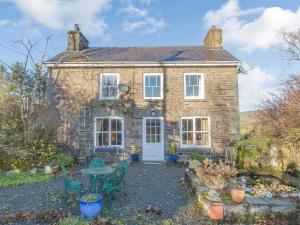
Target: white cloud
<point x="139" y="19"/>
<point x="253" y="87"/>
<point x="131" y="10"/>
<point x="145" y="25"/>
<point x="63" y="14"/>
<point x="259" y="31"/>
<point x="4" y="22"/>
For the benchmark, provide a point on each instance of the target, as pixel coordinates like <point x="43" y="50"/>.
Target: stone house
<point x="145" y="96"/>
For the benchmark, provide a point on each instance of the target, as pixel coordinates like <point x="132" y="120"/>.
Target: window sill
<point x="195" y="100"/>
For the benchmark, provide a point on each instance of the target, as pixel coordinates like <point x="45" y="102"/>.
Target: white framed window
<point x="153" y="86"/>
<point x="109" y="83"/>
<point x="109" y="131"/>
<point x="195" y="132"/>
<point x="193" y="86"/>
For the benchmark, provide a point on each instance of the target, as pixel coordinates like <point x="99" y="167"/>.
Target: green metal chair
<point x="71" y="185"/>
<point x="96" y="162"/>
<point x="110" y="188"/>
<point x="124" y="164"/>
<point x="96" y="180"/>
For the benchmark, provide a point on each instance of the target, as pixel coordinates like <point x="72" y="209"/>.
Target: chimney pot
<point x="76" y="40"/>
<point x="76" y="26"/>
<point x="213" y="38"/>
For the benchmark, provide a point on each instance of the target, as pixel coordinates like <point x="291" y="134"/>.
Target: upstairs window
<point x="195" y="132"/>
<point x="153" y="86"/>
<point x="193" y="86"/>
<point x="109" y="86"/>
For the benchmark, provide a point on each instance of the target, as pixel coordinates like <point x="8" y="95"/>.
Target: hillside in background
<point x="247" y="120"/>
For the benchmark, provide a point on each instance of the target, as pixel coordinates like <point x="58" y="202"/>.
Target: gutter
<point x="142" y="64"/>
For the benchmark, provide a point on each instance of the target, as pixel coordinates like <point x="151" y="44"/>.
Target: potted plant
<point x="214" y="175"/>
<point x="172" y="156"/>
<point x="134" y="154"/>
<point x="216" y="211"/>
<point x="237" y="192"/>
<point x="90" y="205"/>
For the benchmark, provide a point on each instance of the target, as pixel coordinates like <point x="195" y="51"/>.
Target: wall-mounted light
<point x="153" y="113"/>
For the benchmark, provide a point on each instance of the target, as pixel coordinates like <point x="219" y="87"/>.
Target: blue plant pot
<point x="90" y="209"/>
<point x="134" y="157"/>
<point x="173" y="158"/>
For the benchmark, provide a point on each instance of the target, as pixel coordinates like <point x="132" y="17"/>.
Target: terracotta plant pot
<point x="216" y="211"/>
<point x="237" y="194"/>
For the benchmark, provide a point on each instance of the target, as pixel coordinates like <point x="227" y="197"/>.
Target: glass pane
<point x="148" y="130"/>
<point x="158" y="81"/>
<point x="119" y="139"/>
<point x="187" y="138"/>
<point x="105" y="139"/>
<point x="189" y="91"/>
<point x="119" y="125"/>
<point x="152" y="138"/>
<point x="202" y="139"/>
<point x="148" y="138"/>
<point x="148" y="92"/>
<point x="113" y="91"/>
<point x="157" y="130"/>
<point x="201" y="124"/>
<point x="153" y="130"/>
<point x="198" y="123"/>
<point x="148" y="122"/>
<point x="113" y="125"/>
<point x="157" y="138"/>
<point x="99" y="140"/>
<point x="152" y="81"/>
<point x="99" y="124"/>
<point x="113" y="138"/>
<point x="156" y="92"/>
<point x="105" y="126"/>
<point x="153" y="122"/>
<point x="187" y="80"/>
<point x="194" y="80"/>
<point x="196" y="91"/>
<point x="147" y="82"/>
<point x="190" y="125"/>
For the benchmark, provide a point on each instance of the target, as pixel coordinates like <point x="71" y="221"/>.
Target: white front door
<point x="153" y="139"/>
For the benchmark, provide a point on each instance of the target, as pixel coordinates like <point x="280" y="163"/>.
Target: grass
<point x="19" y="178"/>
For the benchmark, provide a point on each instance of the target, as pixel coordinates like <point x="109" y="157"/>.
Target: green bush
<point x="196" y="156"/>
<point x="74" y="220"/>
<point x="250" y="150"/>
<point x="65" y="159"/>
<point x="18" y="178"/>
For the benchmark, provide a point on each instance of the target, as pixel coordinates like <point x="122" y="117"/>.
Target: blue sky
<point x="250" y="30"/>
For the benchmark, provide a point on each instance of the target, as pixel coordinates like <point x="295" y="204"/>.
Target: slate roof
<point x="145" y="54"/>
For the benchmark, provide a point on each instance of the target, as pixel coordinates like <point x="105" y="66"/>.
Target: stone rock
<point x="239" y="209"/>
<point x="33" y="171"/>
<point x="213" y="196"/>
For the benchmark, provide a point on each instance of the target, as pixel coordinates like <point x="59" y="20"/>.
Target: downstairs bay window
<point x="195" y="132"/>
<point x="109" y="131"/>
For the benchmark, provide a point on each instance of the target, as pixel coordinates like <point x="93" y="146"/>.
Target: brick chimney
<point x="213" y="38"/>
<point x="76" y="40"/>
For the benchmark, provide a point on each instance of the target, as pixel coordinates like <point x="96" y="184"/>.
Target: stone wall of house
<point x="71" y="89"/>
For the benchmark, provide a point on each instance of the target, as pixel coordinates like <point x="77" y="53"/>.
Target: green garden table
<point x="104" y="171"/>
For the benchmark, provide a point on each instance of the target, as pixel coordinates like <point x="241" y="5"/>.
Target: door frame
<point x="162" y="133"/>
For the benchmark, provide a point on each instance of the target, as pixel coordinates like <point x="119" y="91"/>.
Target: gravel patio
<point x="156" y="185"/>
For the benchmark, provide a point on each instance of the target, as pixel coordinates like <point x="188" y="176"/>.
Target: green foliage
<point x="74" y="220"/>
<point x="65" y="159"/>
<point x="250" y="150"/>
<point x="196" y="156"/>
<point x="35" y="154"/>
<point x="18" y="178"/>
